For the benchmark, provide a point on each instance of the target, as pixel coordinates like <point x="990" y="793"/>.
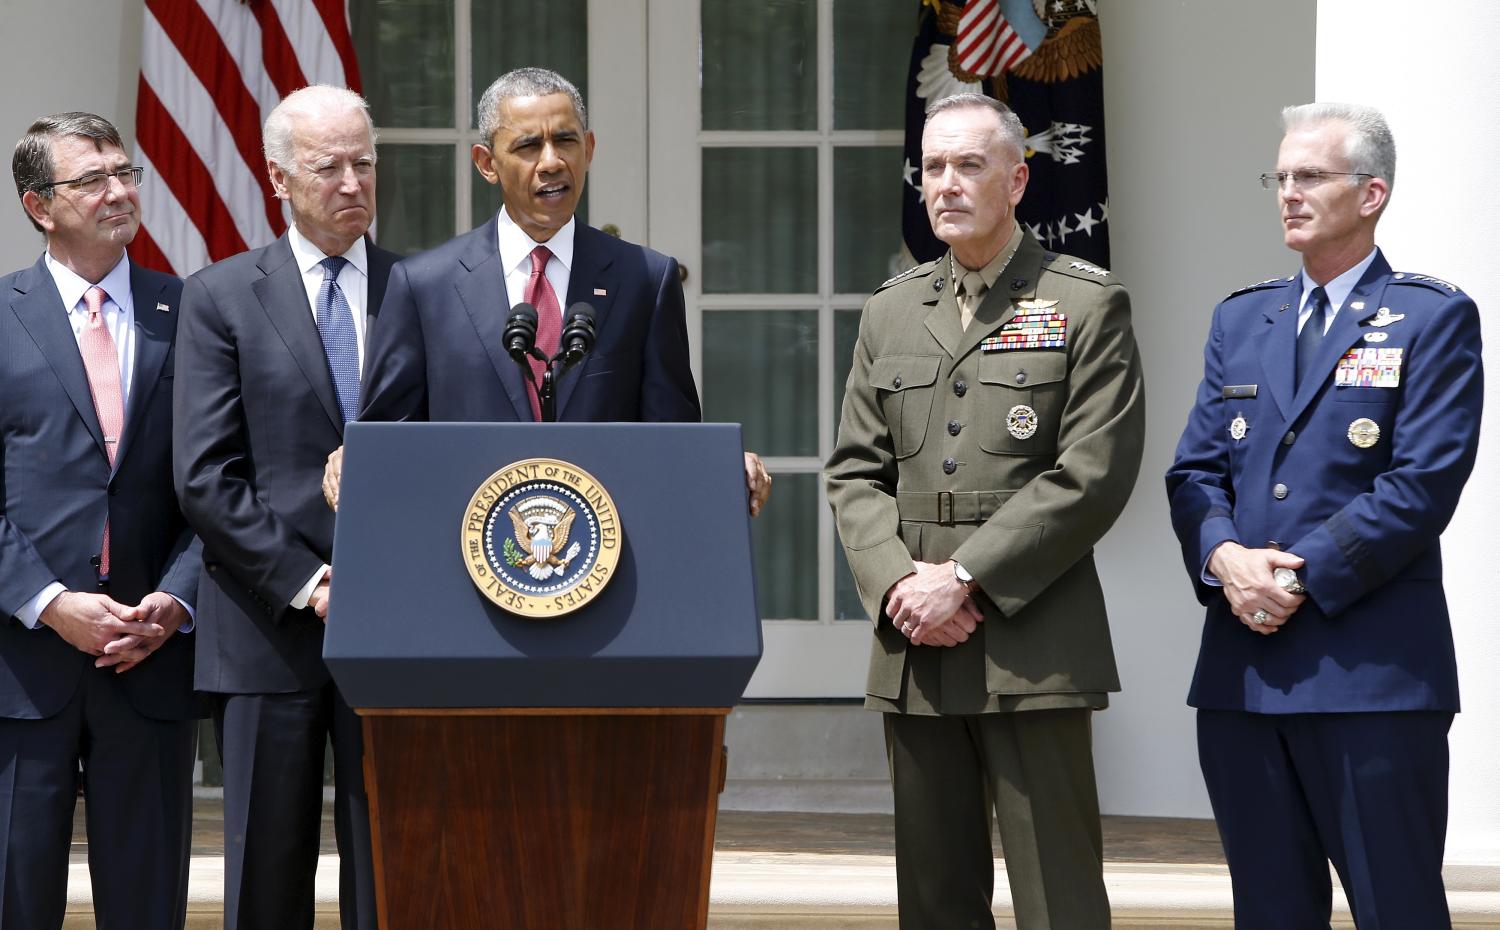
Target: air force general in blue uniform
<point x="1309" y="509"/>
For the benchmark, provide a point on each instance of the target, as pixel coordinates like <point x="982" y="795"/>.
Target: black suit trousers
<point x="273" y="802"/>
<point x="138" y="791"/>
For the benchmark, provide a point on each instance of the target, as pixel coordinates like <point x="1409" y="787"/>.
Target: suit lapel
<point x="153" y="339"/>
<point x="482" y="292"/>
<point x="942" y="315"/>
<point x="592" y="272"/>
<point x="39" y="308"/>
<point x="379" y="262"/>
<point x="1345" y="331"/>
<point x="284" y="300"/>
<point x="1278" y="345"/>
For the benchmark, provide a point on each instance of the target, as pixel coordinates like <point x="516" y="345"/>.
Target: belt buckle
<point x="945" y="508"/>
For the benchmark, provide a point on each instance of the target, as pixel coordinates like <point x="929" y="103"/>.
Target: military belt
<point x="949" y="507"/>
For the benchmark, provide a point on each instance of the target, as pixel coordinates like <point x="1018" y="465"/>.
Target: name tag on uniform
<point x="1369" y="367"/>
<point x="1038" y="324"/>
<point x="1240" y="390"/>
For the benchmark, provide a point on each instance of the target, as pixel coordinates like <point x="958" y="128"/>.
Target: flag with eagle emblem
<point x="1044" y="59"/>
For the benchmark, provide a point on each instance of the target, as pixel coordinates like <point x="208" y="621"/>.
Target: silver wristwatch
<point x="963" y="576"/>
<point x="1289" y="581"/>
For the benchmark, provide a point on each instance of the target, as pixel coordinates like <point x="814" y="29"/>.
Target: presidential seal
<point x="541" y="538"/>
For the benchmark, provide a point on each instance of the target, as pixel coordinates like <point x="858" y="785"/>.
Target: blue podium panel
<point x="675" y="626"/>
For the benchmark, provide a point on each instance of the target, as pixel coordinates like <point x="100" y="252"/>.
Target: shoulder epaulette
<point x="1077" y="269"/>
<point x="910" y="272"/>
<point x="1260" y="285"/>
<point x="1437" y="284"/>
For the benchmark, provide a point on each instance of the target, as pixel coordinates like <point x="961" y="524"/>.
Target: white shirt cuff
<point x="192" y="621"/>
<point x="30" y="613"/>
<point x="305" y="595"/>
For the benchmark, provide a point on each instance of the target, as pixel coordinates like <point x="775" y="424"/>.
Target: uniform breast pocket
<point x="903" y="386"/>
<point x="1023" y="394"/>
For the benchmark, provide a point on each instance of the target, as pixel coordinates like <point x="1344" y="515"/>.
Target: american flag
<point x="211" y="71"/>
<point x="988" y="42"/>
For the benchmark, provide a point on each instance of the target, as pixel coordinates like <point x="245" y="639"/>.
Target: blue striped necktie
<point x="336" y="327"/>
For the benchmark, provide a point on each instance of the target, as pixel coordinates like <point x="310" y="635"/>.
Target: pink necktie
<point x="103" y="367"/>
<point x="539" y="294"/>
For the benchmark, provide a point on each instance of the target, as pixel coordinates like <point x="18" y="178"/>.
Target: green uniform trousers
<point x="1035" y="771"/>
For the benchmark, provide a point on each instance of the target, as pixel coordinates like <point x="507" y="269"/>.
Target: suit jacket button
<point x="1280" y="492"/>
<point x="953" y="427"/>
<point x="1289" y="438"/>
<point x="949" y="466"/>
<point x="1020" y="377"/>
<point x="896" y="382"/>
<point x="960" y="388"/>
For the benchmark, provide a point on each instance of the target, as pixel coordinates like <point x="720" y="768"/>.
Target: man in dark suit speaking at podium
<point x="440" y="351"/>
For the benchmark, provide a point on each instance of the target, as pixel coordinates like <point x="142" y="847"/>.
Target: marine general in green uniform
<point x="991" y="434"/>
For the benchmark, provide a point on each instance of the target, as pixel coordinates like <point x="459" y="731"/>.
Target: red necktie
<point x="539" y="294"/>
<point x="102" y="364"/>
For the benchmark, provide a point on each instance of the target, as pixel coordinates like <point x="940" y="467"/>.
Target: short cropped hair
<point x="312" y="100"/>
<point x="32" y="163"/>
<point x="1012" y="133"/>
<point x="1371" y="147"/>
<point x="524" y="82"/>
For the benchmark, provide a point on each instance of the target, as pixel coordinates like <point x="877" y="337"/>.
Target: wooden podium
<point x="549" y="774"/>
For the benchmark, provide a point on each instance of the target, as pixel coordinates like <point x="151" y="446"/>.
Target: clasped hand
<point x="116" y="634"/>
<point x="931" y="607"/>
<point x="1250" y="584"/>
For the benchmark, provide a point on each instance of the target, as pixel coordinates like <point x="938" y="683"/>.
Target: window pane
<point x="872" y="42"/>
<point x="405" y="50"/>
<point x="845" y="335"/>
<point x="512" y="34"/>
<point x="759" y="64"/>
<point x="786" y="550"/>
<point x="866" y="217"/>
<point x="760" y="220"/>
<point x="414" y="196"/>
<point x="760" y="368"/>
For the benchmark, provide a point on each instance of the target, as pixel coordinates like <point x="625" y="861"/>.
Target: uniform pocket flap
<point x="1023" y="369"/>
<point x="899" y="372"/>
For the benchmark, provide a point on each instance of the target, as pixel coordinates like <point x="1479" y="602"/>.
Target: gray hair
<point x="1370" y="149"/>
<point x="311" y="101"/>
<point x="1012" y="133"/>
<point x="524" y="82"/>
<point x="32" y="163"/>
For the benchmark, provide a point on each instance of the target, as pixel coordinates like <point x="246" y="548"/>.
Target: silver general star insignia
<point x="1238" y="427"/>
<point x="1021" y="422"/>
<point x="1091" y="269"/>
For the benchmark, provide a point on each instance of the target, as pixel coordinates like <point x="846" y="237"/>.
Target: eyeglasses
<point x="95" y="182"/>
<point x="1302" y="180"/>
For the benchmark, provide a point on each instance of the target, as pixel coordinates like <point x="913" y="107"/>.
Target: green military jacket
<point x="1007" y="447"/>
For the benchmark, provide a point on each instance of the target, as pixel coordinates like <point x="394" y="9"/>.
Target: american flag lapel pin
<point x="164" y="308"/>
<point x="600" y="292"/>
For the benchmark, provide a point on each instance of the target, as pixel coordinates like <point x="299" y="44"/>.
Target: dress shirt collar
<point x="308" y="255"/>
<point x="116" y="284"/>
<point x="1338" y="289"/>
<point x="516" y="247"/>
<point x="992" y="269"/>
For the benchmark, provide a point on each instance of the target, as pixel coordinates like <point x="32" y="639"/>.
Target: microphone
<point x="520" y="332"/>
<point x="578" y="334"/>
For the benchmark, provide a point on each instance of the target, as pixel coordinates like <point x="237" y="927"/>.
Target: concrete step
<point x="826" y="871"/>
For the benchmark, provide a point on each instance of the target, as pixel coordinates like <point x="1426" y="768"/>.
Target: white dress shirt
<point x="1337" y="290"/>
<point x="515" y="257"/>
<point x="354" y="281"/>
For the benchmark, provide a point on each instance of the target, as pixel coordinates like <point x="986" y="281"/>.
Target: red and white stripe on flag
<point x="211" y="72"/>
<point x="986" y="43"/>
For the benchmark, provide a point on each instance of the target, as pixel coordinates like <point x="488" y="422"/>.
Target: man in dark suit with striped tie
<point x="268" y="373"/>
<point x="98" y="569"/>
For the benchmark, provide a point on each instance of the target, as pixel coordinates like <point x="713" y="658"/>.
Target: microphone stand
<point x="547" y="390"/>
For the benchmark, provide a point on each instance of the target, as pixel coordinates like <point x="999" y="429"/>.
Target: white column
<point x="1434" y="72"/>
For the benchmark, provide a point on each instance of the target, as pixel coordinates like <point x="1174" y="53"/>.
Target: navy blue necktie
<point x="1311" y="336"/>
<point x="340" y="346"/>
